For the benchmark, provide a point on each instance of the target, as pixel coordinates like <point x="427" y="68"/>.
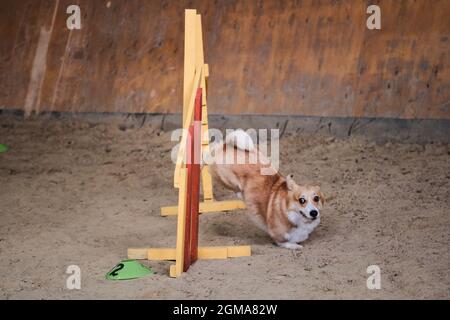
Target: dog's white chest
<point x="303" y="229"/>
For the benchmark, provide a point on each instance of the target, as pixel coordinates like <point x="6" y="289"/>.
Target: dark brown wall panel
<point x="310" y="57"/>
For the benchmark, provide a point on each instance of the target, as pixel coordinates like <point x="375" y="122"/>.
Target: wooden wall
<point x="303" y="57"/>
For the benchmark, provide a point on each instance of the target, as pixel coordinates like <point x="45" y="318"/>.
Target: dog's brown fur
<point x="267" y="197"/>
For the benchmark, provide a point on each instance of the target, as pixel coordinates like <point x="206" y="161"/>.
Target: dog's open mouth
<point x="306" y="217"/>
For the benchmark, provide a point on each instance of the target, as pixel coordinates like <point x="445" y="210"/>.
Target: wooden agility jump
<point x="188" y="173"/>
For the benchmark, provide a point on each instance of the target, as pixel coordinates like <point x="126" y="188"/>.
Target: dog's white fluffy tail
<point x="241" y="140"/>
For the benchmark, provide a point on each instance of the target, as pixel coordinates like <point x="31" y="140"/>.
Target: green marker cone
<point x="128" y="269"/>
<point x="3" y="148"/>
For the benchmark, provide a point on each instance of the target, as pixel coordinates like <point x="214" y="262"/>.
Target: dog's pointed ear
<point x="290" y="181"/>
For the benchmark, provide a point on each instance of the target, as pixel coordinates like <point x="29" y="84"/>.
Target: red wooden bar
<point x="187" y="226"/>
<point x="193" y="152"/>
<point x="196" y="175"/>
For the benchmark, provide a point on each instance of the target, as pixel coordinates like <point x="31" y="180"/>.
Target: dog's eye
<point x="302" y="200"/>
<point x="316" y="199"/>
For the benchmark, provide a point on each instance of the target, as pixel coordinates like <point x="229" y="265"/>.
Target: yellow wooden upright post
<point x="190" y="30"/>
<point x="177" y="268"/>
<point x="194" y="63"/>
<point x="190" y="64"/>
<point x="200" y="61"/>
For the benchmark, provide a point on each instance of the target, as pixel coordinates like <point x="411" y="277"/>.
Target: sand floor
<point x="75" y="193"/>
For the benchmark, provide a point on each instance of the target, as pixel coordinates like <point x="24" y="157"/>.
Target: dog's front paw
<point x="289" y="245"/>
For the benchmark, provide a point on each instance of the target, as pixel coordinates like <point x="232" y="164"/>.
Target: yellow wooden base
<point x="210" y="206"/>
<point x="204" y="253"/>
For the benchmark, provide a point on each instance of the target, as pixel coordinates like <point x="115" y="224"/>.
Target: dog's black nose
<point x="313" y="213"/>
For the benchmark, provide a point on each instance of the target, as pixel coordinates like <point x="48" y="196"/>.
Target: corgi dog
<point x="287" y="211"/>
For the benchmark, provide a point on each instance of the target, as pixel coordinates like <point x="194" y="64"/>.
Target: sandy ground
<point x="78" y="193"/>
